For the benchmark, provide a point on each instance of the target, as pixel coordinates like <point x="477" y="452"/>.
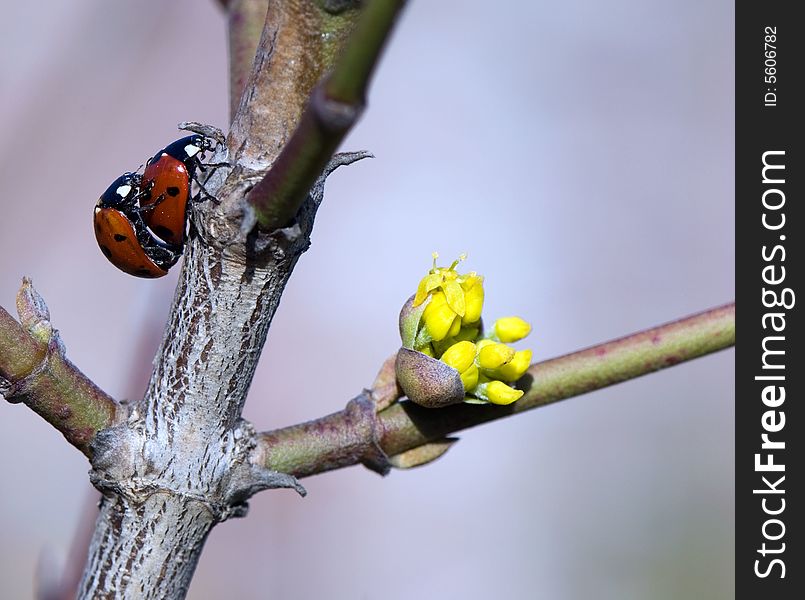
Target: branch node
<point x="246" y="480"/>
<point x="361" y="411"/>
<point x="247" y="476"/>
<point x="333" y="115"/>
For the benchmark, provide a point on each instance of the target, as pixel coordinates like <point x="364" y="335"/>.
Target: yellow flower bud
<point x="493" y="356"/>
<point x="470" y="378"/>
<point x="447" y="280"/>
<point x="498" y="392"/>
<point x="483" y="343"/>
<point x="511" y="329"/>
<point x="438" y="317"/>
<point x="460" y="356"/>
<point x="443" y="321"/>
<point x="514" y="369"/>
<point x="473" y="286"/>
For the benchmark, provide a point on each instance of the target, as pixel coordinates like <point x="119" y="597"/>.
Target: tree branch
<point x="183" y="459"/>
<point x="298" y="44"/>
<point x="245" y="22"/>
<point x="180" y="463"/>
<point x="335" y="105"/>
<point x="339" y="440"/>
<point x="36" y="372"/>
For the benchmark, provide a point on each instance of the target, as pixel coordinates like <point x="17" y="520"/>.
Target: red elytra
<point x="140" y="221"/>
<point x="166" y="186"/>
<point x="118" y="241"/>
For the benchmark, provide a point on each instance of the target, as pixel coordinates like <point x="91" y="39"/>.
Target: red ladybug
<point x="123" y="236"/>
<point x="166" y="187"/>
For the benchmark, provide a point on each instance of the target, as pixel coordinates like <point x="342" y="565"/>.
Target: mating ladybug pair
<point x="141" y="220"/>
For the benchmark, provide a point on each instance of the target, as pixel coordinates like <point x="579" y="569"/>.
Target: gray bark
<point x="182" y="461"/>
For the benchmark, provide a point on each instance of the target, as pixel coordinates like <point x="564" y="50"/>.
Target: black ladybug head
<point x="122" y="193"/>
<point x="186" y="149"/>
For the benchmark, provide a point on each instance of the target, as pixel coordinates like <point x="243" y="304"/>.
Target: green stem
<point x="330" y="442"/>
<point x="334" y="106"/>
<point x="38" y="374"/>
<point x="352" y="72"/>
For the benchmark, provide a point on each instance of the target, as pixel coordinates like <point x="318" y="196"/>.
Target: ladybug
<point x="166" y="187"/>
<point x="124" y="237"/>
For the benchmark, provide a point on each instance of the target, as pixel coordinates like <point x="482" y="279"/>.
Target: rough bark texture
<point x="175" y="528"/>
<point x="182" y="461"/>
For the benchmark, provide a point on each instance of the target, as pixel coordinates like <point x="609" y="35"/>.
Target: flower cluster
<point x="443" y="322"/>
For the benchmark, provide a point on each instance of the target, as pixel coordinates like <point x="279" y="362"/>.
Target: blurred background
<point x="581" y="152"/>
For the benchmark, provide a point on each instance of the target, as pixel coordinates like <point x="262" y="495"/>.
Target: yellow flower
<point x="461" y="357"/>
<point x="482" y="343"/>
<point x="443" y="321"/>
<point x="438" y="277"/>
<point x="498" y="392"/>
<point x="453" y="300"/>
<point x="516" y="367"/>
<point x="463" y="294"/>
<point x="473" y="286"/>
<point x="492" y="356"/>
<point x="470" y="378"/>
<point x="440" y="320"/>
<point x="511" y="329"/>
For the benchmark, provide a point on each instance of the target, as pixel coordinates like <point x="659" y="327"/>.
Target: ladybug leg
<point x="205" y="195"/>
<point x="212" y="166"/>
<point x="148" y="207"/>
<point x="144" y="193"/>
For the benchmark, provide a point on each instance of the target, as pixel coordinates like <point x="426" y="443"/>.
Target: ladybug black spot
<point x="97" y="227"/>
<point x="120" y="238"/>
<point x="143" y="272"/>
<point x="107" y="252"/>
<point x="173" y="191"/>
<point x="163" y="232"/>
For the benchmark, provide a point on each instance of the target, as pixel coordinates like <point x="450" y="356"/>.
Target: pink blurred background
<point x="582" y="154"/>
